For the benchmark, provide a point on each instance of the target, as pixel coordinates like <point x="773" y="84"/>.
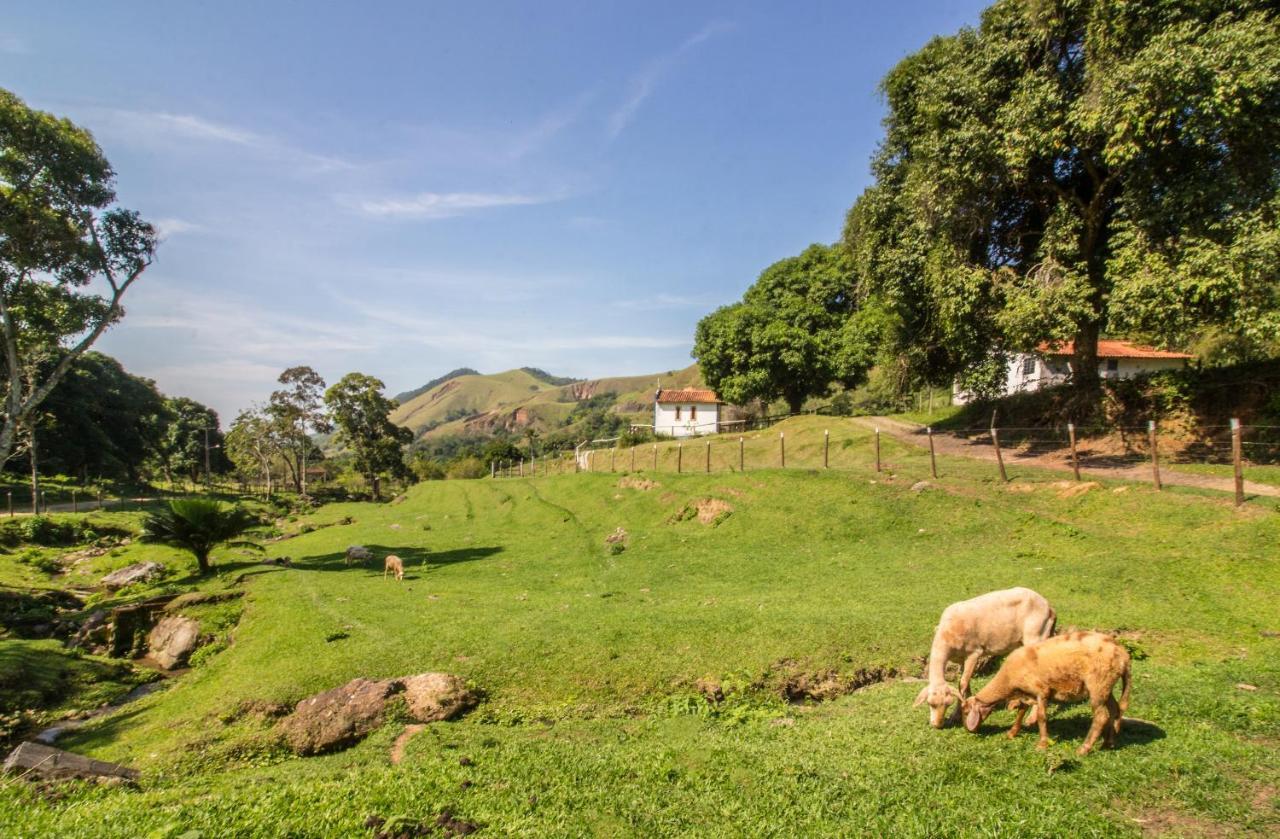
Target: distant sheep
<point x="1067" y="668"/>
<point x="990" y="624"/>
<point x="358" y="553"/>
<point x="393" y="565"/>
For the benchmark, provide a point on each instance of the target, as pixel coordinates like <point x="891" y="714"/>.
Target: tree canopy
<point x="795" y="333"/>
<point x="1074" y="168"/>
<point x="61" y="240"/>
<point x="361" y="413"/>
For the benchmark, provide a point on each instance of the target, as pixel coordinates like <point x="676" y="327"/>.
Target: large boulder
<point x="172" y="640"/>
<point x="432" y="697"/>
<point x="139" y="572"/>
<point x="337" y="718"/>
<point x="38" y="761"/>
<point x="343" y="716"/>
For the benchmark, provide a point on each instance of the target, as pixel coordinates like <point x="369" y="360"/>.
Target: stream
<point x="53" y="732"/>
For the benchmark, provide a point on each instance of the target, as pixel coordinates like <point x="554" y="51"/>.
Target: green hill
<point x="476" y="404"/>
<point x="748" y="676"/>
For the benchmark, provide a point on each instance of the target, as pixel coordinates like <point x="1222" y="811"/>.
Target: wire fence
<point x="1215" y="457"/>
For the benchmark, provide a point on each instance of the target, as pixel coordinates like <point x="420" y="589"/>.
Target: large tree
<point x="254" y="444"/>
<point x="298" y="410"/>
<point x="795" y="333"/>
<point x="1076" y="167"/>
<point x="192" y="442"/>
<point x="362" y="415"/>
<point x="68" y="255"/>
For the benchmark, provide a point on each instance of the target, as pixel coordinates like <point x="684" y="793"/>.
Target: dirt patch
<point x="731" y="492"/>
<point x="710" y="689"/>
<point x="397" y="748"/>
<point x="797" y="685"/>
<point x="1020" y="487"/>
<point x="642" y="484"/>
<point x="713" y="510"/>
<point x="1163" y="822"/>
<point x="1070" y="489"/>
<point x="617" y="537"/>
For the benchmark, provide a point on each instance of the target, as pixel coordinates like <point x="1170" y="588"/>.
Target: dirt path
<point x="950" y="444"/>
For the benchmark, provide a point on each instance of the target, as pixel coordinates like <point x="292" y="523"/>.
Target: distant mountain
<point x="452" y="374"/>
<point x="480" y="405"/>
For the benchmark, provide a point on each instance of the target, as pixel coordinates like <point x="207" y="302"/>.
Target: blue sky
<point x="405" y="188"/>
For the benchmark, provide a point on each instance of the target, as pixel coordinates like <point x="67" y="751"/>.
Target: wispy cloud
<point x="168" y="227"/>
<point x="13" y="45"/>
<point x="148" y="127"/>
<point x="664" y="301"/>
<point x="438" y="205"/>
<point x="643" y="83"/>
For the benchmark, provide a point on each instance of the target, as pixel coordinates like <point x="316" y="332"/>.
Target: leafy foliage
<point x="199" y="525"/>
<point x="360" y="412"/>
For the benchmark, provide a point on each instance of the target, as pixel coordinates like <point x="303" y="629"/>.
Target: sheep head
<point x="939" y="698"/>
<point x="975" y="711"/>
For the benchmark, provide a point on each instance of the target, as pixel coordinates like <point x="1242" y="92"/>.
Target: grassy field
<point x="590" y="660"/>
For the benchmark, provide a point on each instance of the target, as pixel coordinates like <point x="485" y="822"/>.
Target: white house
<point x="1051" y="365"/>
<point x="687" y="412"/>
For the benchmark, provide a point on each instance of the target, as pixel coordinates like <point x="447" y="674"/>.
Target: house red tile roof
<point x="689" y="394"/>
<point x="1113" y="349"/>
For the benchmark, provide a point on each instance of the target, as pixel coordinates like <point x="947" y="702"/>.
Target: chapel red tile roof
<point x="1113" y="349"/>
<point x="685" y="395"/>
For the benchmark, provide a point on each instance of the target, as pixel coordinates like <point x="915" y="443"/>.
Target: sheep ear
<point x="973" y="717"/>
<point x="921" y="697"/>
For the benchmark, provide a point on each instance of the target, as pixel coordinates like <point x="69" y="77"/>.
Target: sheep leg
<point x="1113" y="723"/>
<point x="966" y="675"/>
<point x="1101" y="720"/>
<point x="1017" y="722"/>
<point x="1042" y="719"/>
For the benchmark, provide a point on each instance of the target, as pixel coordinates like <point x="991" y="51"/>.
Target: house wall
<point x="1031" y="372"/>
<point x="665" y="423"/>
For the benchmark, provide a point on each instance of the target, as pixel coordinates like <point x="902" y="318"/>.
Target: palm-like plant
<point x="199" y="525"/>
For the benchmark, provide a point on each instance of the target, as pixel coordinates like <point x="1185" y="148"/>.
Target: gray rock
<point x="172" y="640"/>
<point x="40" y="762"/>
<point x="919" y="486"/>
<point x="139" y="572"/>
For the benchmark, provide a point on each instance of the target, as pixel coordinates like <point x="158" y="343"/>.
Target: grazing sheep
<point x="1067" y="668"/>
<point x="393" y="565"/>
<point x="358" y="553"/>
<point x="990" y="624"/>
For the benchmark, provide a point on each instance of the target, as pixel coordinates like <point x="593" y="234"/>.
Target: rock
<point x="341" y="717"/>
<point x="34" y="760"/>
<point x="432" y="697"/>
<point x="139" y="572"/>
<point x="337" y="718"/>
<point x="1246" y="686"/>
<point x="172" y="640"/>
<point x="919" y="486"/>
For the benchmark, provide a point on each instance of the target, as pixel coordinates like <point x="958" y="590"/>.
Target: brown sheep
<point x="1066" y="668"/>
<point x="393" y="565"/>
<point x="990" y="624"/>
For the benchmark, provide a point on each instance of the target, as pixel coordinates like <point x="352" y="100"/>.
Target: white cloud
<point x="167" y="227"/>
<point x="644" y="82"/>
<point x="438" y="205"/>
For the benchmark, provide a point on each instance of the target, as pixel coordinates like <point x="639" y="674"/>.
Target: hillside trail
<point x="951" y="444"/>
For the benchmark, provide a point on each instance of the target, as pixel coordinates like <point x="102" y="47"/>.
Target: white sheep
<point x="987" y="625"/>
<point x="1067" y="668"/>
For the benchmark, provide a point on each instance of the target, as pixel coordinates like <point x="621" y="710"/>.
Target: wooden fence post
<point x="493" y="469"/>
<point x="877" y="450"/>
<point x="826" y="449"/>
<point x="933" y="461"/>
<point x="522" y="467"/>
<point x="708" y="457"/>
<point x="75" y="502"/>
<point x="995" y="441"/>
<point x="741" y="459"/>
<point x="633" y="458"/>
<point x="613" y="457"/>
<point x="1155" y="455"/>
<point x="679" y="457"/>
<point x="1075" y="458"/>
<point x="782" y="448"/>
<point x="655" y="457"/>
<point x="1236" y="445"/>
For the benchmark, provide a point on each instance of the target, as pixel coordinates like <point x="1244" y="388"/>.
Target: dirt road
<point x="950" y="444"/>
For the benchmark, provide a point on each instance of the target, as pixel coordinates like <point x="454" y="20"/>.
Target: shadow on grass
<point x="412" y="557"/>
<point x="1133" y="732"/>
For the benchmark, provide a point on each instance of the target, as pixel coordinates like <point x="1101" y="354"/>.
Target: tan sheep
<point x="393" y="565"/>
<point x="1066" y="668"/>
<point x="987" y="625"/>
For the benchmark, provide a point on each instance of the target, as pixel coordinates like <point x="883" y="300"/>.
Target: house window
<point x="677" y="412"/>
<point x="1028" y="366"/>
<point x="693" y="413"/>
<point x="1113" y="365"/>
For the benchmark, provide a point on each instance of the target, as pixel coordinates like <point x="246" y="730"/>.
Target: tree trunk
<point x="795" y="404"/>
<point x="375" y="484"/>
<point x="202" y="561"/>
<point x="35" y="474"/>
